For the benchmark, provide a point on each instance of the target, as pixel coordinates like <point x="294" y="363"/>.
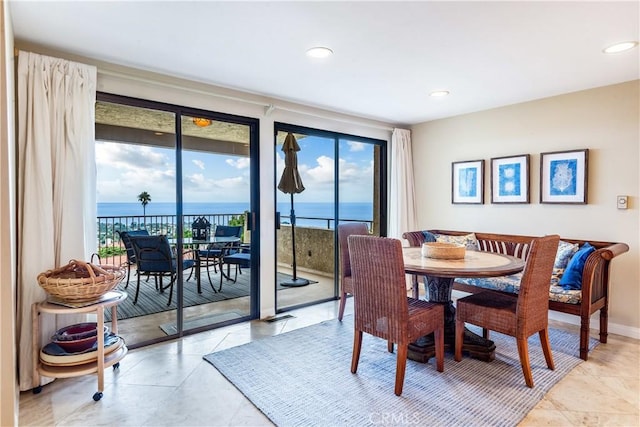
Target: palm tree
<point x="144" y="198"/>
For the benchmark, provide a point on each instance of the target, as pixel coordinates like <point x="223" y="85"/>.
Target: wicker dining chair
<point x="520" y="315"/>
<point x="125" y="237"/>
<point x="346" y="281"/>
<point x="382" y="307"/>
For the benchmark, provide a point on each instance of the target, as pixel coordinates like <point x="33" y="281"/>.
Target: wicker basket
<point x="80" y="281"/>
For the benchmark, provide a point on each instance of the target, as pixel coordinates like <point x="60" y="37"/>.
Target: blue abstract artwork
<point x="509" y="180"/>
<point x="468" y="182"/>
<point x="563" y="177"/>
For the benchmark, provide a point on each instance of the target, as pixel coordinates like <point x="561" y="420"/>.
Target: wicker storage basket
<point x="80" y="281"/>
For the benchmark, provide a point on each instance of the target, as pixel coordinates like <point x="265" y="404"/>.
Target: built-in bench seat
<point x="593" y="295"/>
<point x="511" y="284"/>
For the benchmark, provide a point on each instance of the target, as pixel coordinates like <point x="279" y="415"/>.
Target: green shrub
<point x="109" y="251"/>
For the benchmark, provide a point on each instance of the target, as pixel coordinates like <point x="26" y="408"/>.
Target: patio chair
<point x="346" y="281"/>
<point x="382" y="307"/>
<point x="155" y="258"/>
<point x="211" y="256"/>
<point x="125" y="237"/>
<point x="237" y="254"/>
<point x="520" y="315"/>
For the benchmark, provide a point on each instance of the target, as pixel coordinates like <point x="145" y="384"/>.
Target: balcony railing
<point x="111" y="249"/>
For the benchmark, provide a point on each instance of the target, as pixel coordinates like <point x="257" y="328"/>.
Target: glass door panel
<point x="215" y="199"/>
<point x="359" y="183"/>
<point x="306" y="219"/>
<point x="136" y="192"/>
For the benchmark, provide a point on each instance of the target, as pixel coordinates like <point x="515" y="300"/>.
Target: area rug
<point x="303" y="378"/>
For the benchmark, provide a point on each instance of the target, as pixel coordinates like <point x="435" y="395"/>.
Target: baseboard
<point x="614" y="328"/>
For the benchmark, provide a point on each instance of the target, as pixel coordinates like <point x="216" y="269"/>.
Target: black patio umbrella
<point x="291" y="183"/>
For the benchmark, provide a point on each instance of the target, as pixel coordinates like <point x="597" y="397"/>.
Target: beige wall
<point x="8" y="384"/>
<point x="605" y="120"/>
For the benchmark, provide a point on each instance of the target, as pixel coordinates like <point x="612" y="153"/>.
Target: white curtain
<point x="56" y="183"/>
<point x="402" y="209"/>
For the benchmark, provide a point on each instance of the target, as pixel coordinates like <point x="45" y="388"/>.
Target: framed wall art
<point x="563" y="177"/>
<point x="510" y="179"/>
<point x="467" y="180"/>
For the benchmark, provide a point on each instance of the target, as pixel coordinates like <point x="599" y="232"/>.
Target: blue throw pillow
<point x="572" y="277"/>
<point x="428" y="236"/>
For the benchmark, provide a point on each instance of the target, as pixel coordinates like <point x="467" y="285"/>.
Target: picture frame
<point x="510" y="179"/>
<point x="563" y="177"/>
<point x="467" y="182"/>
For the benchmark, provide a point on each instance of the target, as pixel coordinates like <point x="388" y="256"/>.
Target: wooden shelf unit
<point x="84" y="368"/>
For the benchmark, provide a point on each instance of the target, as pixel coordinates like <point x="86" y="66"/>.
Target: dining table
<point x="217" y="242"/>
<point x="439" y="275"/>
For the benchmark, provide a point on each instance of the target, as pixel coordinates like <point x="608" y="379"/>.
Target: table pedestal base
<point x="439" y="290"/>
<point x="477" y="347"/>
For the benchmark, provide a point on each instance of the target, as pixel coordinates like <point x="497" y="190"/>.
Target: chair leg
<point x="401" y="365"/>
<point x="459" y="339"/>
<point x="343" y="303"/>
<point x="390" y="346"/>
<point x="546" y="348"/>
<point x="485" y="333"/>
<point x="439" y="338"/>
<point x="135" y="299"/>
<point x="357" y="345"/>
<point x="523" y="352"/>
<point x="128" y="275"/>
<point x="221" y="277"/>
<point x="209" y="276"/>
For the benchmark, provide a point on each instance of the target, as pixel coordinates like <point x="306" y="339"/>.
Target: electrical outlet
<point x="622" y="202"/>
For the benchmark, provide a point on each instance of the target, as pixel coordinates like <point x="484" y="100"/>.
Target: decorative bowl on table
<point x="442" y="250"/>
<point x="77" y="338"/>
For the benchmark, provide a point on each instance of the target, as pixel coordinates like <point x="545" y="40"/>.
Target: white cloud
<point x="240" y="163"/>
<point x="322" y="173"/>
<point x="199" y="164"/>
<point x="125" y="156"/>
<point x="356" y="146"/>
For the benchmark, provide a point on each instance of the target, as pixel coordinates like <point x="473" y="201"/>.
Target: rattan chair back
<point x="346" y="281"/>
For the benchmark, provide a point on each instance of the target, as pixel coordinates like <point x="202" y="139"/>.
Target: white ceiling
<point x="388" y="56"/>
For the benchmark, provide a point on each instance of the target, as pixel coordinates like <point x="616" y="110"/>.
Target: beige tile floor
<point x="170" y="384"/>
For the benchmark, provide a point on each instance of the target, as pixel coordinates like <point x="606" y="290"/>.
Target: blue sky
<point x="124" y="171"/>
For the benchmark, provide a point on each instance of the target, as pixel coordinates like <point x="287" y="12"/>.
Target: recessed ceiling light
<point x="319" y="52"/>
<point x="439" y="93"/>
<point x="620" y="47"/>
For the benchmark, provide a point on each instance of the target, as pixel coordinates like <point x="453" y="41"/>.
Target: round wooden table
<point x="439" y="276"/>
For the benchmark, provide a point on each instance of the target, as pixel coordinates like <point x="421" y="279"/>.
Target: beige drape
<point x="402" y="208"/>
<point x="56" y="183"/>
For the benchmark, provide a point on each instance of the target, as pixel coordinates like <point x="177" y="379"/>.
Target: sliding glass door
<point x="343" y="180"/>
<point x="173" y="171"/>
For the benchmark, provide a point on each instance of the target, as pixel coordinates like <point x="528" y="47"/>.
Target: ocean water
<point x="304" y="211"/>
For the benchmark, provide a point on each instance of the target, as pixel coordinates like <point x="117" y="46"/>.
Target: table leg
<point x="439" y="290"/>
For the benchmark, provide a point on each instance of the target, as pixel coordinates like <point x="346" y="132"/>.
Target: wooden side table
<point x="109" y="300"/>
